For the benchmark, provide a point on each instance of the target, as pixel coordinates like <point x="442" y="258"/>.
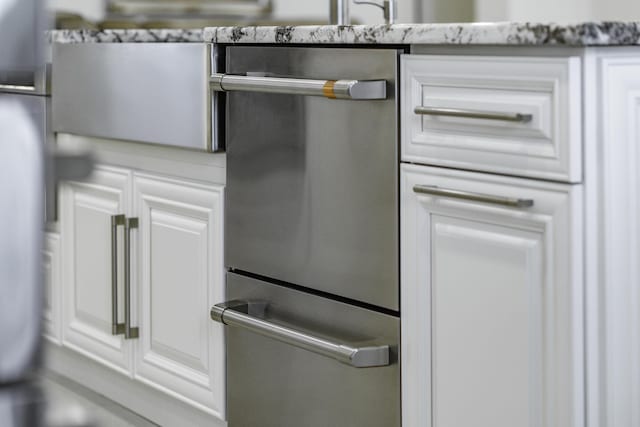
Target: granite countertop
<point x="126" y="36"/>
<point x="501" y="33"/>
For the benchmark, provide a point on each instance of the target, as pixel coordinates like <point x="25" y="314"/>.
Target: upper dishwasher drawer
<point x="146" y="92"/>
<point x="509" y="115"/>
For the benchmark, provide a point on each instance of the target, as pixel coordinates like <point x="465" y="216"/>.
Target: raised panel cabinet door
<point x="491" y="290"/>
<point x="180" y="351"/>
<point x="52" y="292"/>
<point x="86" y="210"/>
<point x="614" y="279"/>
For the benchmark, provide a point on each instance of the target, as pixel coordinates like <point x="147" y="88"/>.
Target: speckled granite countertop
<point x="125" y="36"/>
<point x="501" y="33"/>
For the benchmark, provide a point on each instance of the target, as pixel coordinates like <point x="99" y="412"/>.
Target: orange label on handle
<point x="327" y="89"/>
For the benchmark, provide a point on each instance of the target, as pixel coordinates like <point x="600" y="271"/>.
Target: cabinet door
<point x="85" y="223"/>
<point x="51" y="272"/>
<point x="491" y="302"/>
<point x="180" y="350"/>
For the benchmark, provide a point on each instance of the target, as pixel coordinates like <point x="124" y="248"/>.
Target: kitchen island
<point x="519" y="235"/>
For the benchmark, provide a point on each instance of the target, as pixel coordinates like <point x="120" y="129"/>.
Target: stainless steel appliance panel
<point x="146" y="92"/>
<point x="271" y="383"/>
<point x="312" y="182"/>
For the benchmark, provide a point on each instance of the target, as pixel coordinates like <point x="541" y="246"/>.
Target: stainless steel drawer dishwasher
<point x="311" y="237"/>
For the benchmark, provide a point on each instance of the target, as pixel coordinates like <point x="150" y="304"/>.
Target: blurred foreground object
<point x="23" y="161"/>
<point x="21" y="222"/>
<point x="22" y="26"/>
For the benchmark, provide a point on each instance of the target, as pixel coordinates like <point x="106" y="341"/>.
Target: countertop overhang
<point x="501" y="33"/>
<point x="127" y="36"/>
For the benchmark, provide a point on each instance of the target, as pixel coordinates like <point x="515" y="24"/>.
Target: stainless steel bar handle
<point x="476" y="197"/>
<point x="359" y="357"/>
<point x="17" y="89"/>
<point x="129" y="331"/>
<point x="473" y="114"/>
<point x="116" y="328"/>
<point x="333" y="89"/>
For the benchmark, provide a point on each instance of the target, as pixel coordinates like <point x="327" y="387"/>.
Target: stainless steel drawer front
<point x="311" y="193"/>
<point x="147" y="92"/>
<point x="270" y="383"/>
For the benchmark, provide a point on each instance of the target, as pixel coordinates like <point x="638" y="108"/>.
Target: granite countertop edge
<point x="500" y="33"/>
<point x="140" y="35"/>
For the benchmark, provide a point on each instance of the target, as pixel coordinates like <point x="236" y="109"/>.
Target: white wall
<point x="92" y="10"/>
<point x="620" y="10"/>
<point x="432" y="10"/>
<point x="556" y="10"/>
<point x="319" y="10"/>
<point x="528" y="10"/>
<point x="447" y="10"/>
<point x="474" y="10"/>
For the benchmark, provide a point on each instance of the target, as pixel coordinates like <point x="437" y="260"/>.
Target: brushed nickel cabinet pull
<point x="332" y="89"/>
<point x="476" y="197"/>
<point x="473" y="114"/>
<point x="129" y="331"/>
<point x="116" y="328"/>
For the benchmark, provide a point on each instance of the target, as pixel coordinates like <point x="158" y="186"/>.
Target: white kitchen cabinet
<point x="595" y="147"/>
<point x="181" y="277"/>
<point x="85" y="224"/>
<point x="492" y="316"/>
<point x="612" y="237"/>
<point x="52" y="292"/>
<point x="175" y="254"/>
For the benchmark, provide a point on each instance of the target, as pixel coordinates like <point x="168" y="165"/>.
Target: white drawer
<point x="537" y="104"/>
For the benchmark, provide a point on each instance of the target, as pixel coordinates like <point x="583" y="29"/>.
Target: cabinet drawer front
<point x="145" y="92"/>
<point x="516" y="116"/>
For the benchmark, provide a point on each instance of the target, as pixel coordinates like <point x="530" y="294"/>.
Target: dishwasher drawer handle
<point x="332" y="89"/>
<point x="359" y="357"/>
<point x="476" y="197"/>
<point x="473" y="114"/>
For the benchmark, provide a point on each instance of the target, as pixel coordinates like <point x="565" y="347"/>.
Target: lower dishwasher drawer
<point x="275" y="383"/>
<point x="144" y="92"/>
